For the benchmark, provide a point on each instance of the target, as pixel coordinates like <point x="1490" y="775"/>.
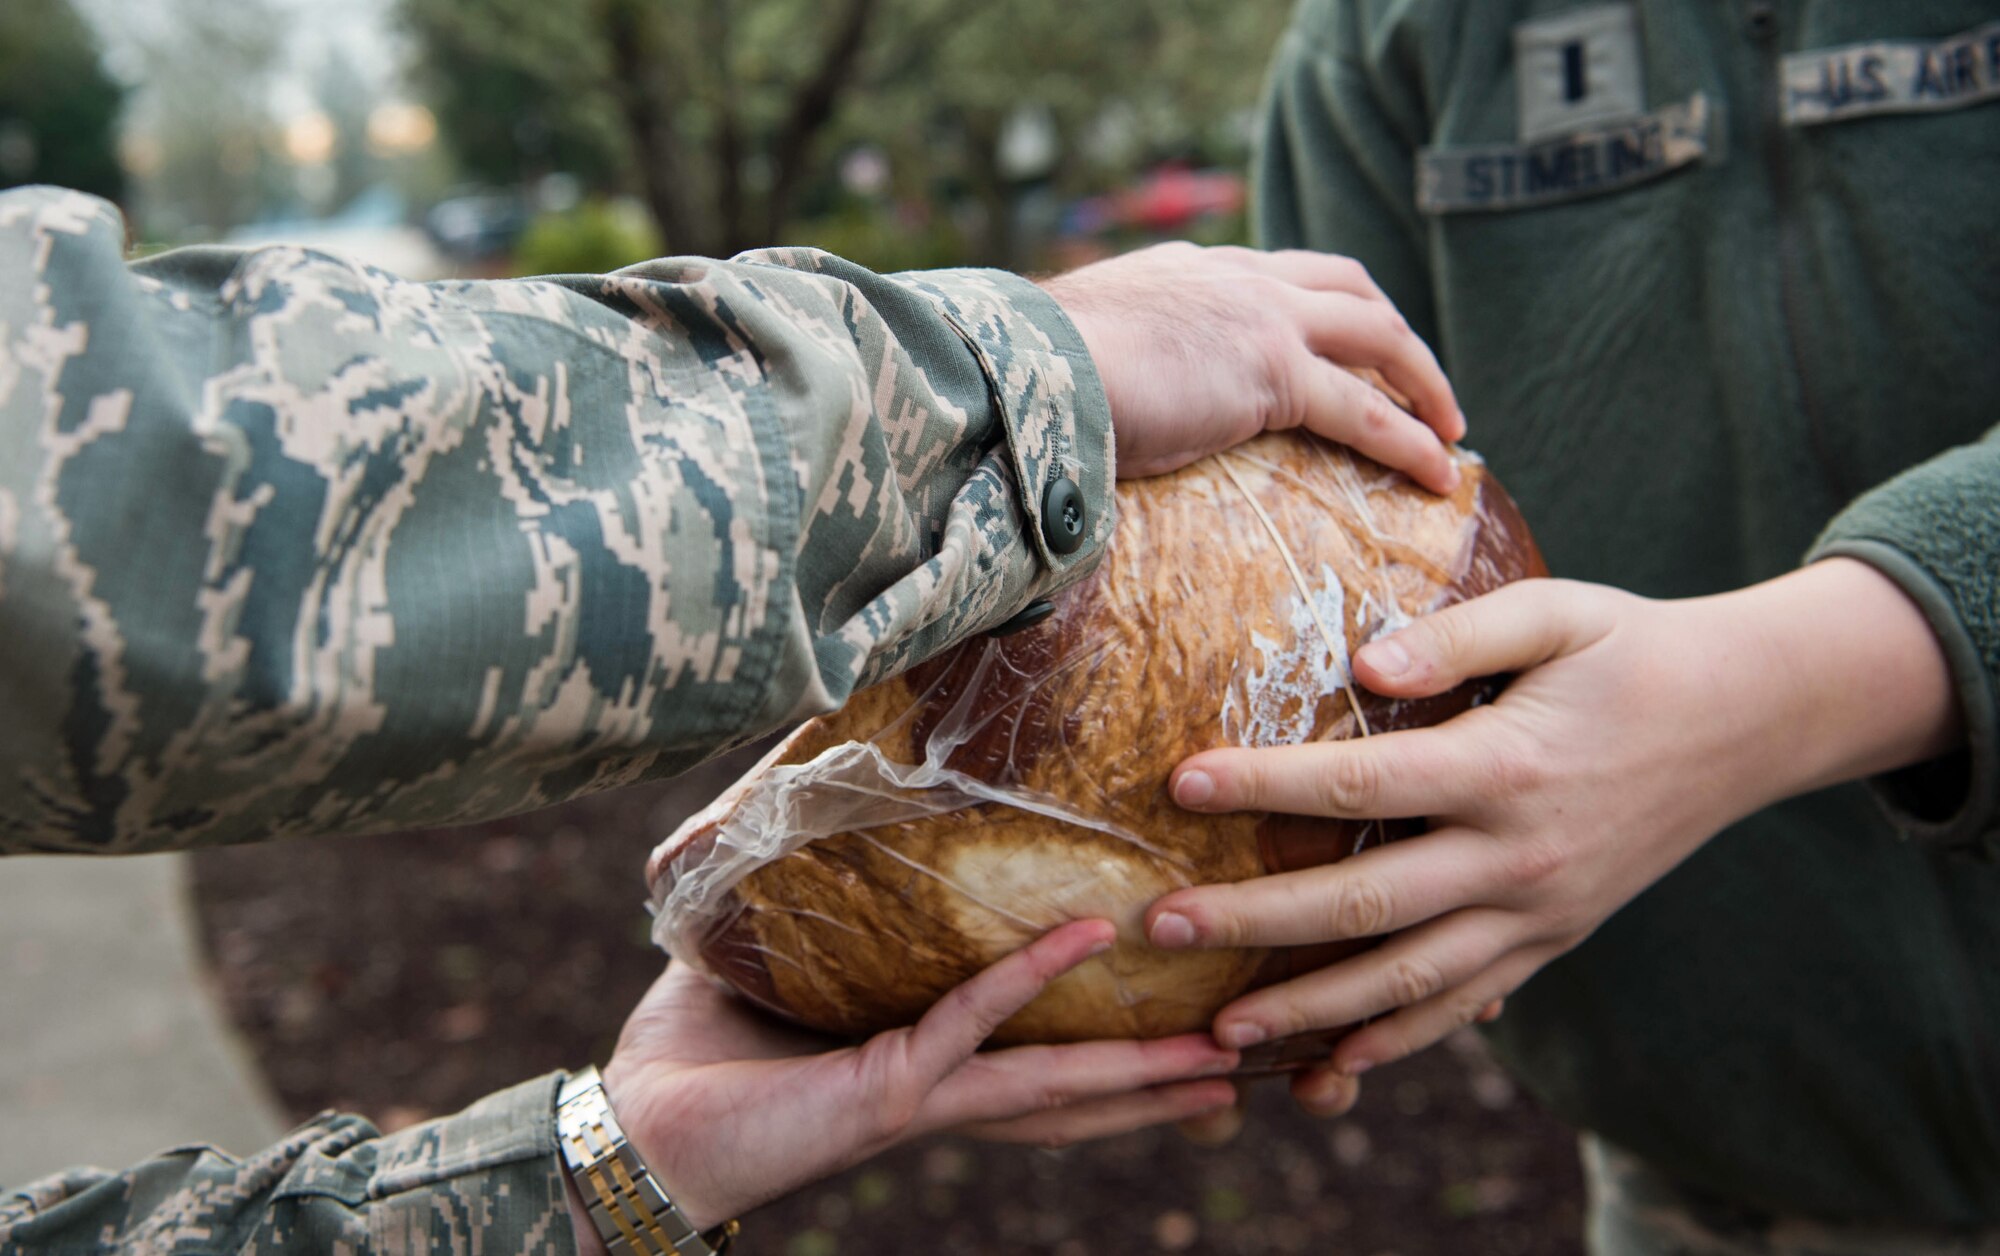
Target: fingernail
<point x="1194" y="788"/>
<point x="1216" y="1068"/>
<point x="1099" y="949"/>
<point x="1241" y="1035"/>
<point x="1387" y="657"/>
<point x="1451" y="478"/>
<point x="1330" y="1098"/>
<point x="1355" y="1068"/>
<point x="1171" y="931"/>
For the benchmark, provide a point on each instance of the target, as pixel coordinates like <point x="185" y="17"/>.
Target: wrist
<point x="1836" y="675"/>
<point x="1095" y="330"/>
<point x="635" y="1108"/>
<point x="615" y="1191"/>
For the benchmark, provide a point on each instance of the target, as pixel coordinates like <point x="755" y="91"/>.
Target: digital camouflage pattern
<point x="1636" y="1211"/>
<point x="291" y="546"/>
<point x="485" y="1182"/>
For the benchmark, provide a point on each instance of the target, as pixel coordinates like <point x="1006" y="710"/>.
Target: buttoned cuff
<point x="1051" y="402"/>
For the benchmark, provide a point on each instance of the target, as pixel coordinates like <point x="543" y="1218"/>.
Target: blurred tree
<point x="58" y="108"/>
<point x="520" y="87"/>
<point x="708" y="109"/>
<point x="1070" y="97"/>
<point x="722" y="114"/>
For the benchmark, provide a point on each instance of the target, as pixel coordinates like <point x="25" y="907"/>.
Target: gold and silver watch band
<point x="632" y="1214"/>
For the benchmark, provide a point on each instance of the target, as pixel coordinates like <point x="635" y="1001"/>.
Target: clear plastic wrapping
<point x="945" y="817"/>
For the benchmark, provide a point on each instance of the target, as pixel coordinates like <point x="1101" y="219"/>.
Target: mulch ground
<point x="404" y="976"/>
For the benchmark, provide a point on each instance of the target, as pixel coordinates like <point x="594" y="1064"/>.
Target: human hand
<point x="1202" y="348"/>
<point x="1322" y="1091"/>
<point x="1636" y="730"/>
<point x="731" y="1109"/>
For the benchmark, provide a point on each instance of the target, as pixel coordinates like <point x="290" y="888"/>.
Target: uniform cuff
<point x="1953" y="800"/>
<point x="494" y="1169"/>
<point x="1050" y="401"/>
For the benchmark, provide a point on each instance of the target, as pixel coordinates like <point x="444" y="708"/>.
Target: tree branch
<point x="812" y="108"/>
<point x="728" y="125"/>
<point x="648" y="113"/>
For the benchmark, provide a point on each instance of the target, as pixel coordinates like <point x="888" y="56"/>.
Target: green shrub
<point x="870" y="235"/>
<point x="595" y="237"/>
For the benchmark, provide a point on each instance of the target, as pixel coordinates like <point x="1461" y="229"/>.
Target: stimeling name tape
<point x="1518" y="176"/>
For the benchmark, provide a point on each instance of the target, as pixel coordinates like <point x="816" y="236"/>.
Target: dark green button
<point x="1063" y="517"/>
<point x="1036" y="612"/>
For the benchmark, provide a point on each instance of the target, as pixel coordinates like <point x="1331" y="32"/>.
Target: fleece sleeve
<point x="1935" y="530"/>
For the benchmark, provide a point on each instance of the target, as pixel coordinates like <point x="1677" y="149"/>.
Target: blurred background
<point x="153" y="1001"/>
<point x="496" y="137"/>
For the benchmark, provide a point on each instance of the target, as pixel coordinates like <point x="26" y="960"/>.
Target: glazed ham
<point x="881" y="855"/>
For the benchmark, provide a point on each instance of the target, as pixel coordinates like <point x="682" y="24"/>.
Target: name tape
<point x="1899" y="76"/>
<point x="1517" y="176"/>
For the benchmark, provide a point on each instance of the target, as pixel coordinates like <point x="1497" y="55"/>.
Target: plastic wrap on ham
<point x="945" y="817"/>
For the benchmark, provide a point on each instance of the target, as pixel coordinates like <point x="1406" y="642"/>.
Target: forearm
<point x="290" y="546"/>
<point x="1832" y="674"/>
<point x="333" y="1185"/>
<point x="1935" y="531"/>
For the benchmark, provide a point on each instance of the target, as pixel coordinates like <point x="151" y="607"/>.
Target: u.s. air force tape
<point x="1516" y="176"/>
<point x="1894" y="76"/>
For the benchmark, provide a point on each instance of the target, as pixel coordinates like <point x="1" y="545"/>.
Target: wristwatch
<point x="632" y="1214"/>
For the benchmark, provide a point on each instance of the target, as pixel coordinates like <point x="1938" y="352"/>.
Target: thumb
<point x="1513" y="628"/>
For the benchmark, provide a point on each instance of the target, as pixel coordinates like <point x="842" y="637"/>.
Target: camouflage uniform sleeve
<point x="486" y="1180"/>
<point x="290" y="546"/>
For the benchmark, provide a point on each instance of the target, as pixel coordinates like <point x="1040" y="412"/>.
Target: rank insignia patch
<point x="1578" y="70"/>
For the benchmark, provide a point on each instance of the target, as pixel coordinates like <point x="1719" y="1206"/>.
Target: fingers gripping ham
<point x="945" y="817"/>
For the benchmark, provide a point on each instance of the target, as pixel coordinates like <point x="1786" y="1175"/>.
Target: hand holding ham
<point x="731" y="1109"/>
<point x="1635" y="731"/>
<point x="1202" y="348"/>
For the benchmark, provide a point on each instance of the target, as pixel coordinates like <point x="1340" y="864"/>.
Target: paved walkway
<point x="110" y="1046"/>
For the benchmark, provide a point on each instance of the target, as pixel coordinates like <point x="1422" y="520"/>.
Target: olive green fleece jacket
<point x="1718" y="285"/>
